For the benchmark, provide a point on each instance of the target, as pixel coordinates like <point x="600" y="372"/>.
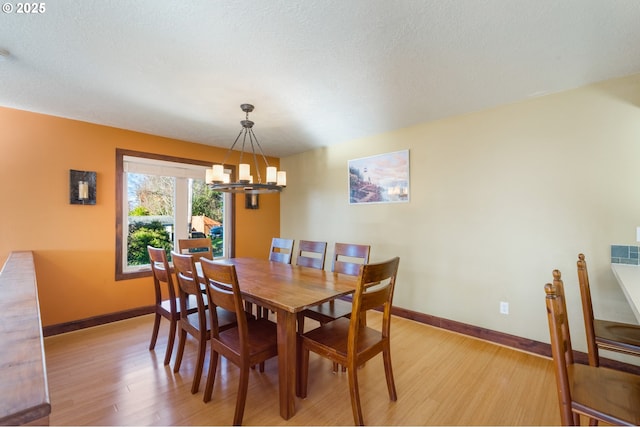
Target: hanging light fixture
<point x="274" y="181"/>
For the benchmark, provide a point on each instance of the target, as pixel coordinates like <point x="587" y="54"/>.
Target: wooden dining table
<point x="287" y="290"/>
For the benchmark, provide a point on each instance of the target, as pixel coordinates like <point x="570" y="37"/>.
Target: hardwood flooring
<point x="106" y="375"/>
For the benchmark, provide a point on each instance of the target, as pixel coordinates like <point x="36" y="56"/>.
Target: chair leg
<point x="181" y="343"/>
<point x="388" y="373"/>
<point x="242" y="395"/>
<point x="202" y="346"/>
<point x="211" y="375"/>
<point x="576" y="419"/>
<point x="171" y="339"/>
<point x="352" y="371"/>
<point x="154" y="334"/>
<point x="300" y="323"/>
<point x="567" y="416"/>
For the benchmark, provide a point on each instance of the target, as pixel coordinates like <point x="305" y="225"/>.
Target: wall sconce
<point x="251" y="201"/>
<point x="82" y="187"/>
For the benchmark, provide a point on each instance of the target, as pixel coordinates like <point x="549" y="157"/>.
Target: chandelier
<point x="218" y="180"/>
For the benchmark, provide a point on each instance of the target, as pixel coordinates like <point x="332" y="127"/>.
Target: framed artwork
<point x="82" y="187"/>
<point x="380" y="179"/>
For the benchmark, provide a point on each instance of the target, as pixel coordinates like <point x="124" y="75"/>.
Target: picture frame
<point x="383" y="178"/>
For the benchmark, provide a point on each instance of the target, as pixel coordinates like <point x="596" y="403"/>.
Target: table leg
<point x="287" y="362"/>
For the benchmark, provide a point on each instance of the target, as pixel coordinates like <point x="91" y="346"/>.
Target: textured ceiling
<point x="319" y="72"/>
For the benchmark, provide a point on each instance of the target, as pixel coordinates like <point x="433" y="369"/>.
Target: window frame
<point x="120" y="273"/>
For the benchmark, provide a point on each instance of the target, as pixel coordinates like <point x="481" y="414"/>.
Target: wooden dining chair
<point x="347" y="259"/>
<point x="350" y="343"/>
<point x="199" y="247"/>
<point x="194" y="324"/>
<point x="604" y="334"/>
<point x="281" y="250"/>
<point x="311" y="254"/>
<point x="167" y="304"/>
<point x="602" y="394"/>
<point x="251" y="342"/>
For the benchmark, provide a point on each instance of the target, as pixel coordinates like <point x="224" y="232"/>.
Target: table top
<point x="287" y="287"/>
<point x="628" y="277"/>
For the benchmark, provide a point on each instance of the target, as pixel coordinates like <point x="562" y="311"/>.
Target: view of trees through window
<point x="152" y="215"/>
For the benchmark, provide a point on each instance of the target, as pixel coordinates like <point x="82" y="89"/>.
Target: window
<point x="160" y="199"/>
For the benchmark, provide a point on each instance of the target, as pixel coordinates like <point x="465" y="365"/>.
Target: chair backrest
<point x="311" y="254"/>
<point x="188" y="285"/>
<point x="560" y="345"/>
<point x="281" y="250"/>
<point x="587" y="311"/>
<point x="223" y="291"/>
<point x="348" y="257"/>
<point x="199" y="248"/>
<point x="376" y="283"/>
<point x="162" y="275"/>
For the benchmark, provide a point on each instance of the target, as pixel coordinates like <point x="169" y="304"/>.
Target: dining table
<point x="287" y="290"/>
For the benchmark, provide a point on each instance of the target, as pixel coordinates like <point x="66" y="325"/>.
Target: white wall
<point x="499" y="198"/>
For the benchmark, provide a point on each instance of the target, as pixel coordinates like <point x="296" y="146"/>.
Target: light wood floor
<point x="107" y="376"/>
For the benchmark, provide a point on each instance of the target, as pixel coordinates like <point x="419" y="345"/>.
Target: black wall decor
<point x="82" y="187"/>
<point x="251" y="201"/>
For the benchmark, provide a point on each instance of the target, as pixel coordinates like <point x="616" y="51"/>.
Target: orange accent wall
<point x="74" y="245"/>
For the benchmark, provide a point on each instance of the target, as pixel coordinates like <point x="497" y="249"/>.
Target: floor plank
<point x="107" y="376"/>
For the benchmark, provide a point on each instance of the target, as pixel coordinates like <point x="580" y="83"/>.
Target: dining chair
<point x="347" y="259"/>
<point x="604" y="334"/>
<point x="602" y="394"/>
<point x="194" y="324"/>
<point x="198" y="247"/>
<point x="281" y="250"/>
<point x="350" y="343"/>
<point x="250" y="342"/>
<point x="311" y="254"/>
<point x="167" y="304"/>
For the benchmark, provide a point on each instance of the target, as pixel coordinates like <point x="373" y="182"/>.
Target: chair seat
<point x="226" y="319"/>
<point x="332" y="337"/>
<point x="618" y="393"/>
<point x="620" y="336"/>
<point x="193" y="306"/>
<point x="261" y="334"/>
<point x="328" y="311"/>
<point x="165" y="307"/>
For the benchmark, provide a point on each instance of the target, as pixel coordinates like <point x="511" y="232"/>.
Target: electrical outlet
<point x="504" y="307"/>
